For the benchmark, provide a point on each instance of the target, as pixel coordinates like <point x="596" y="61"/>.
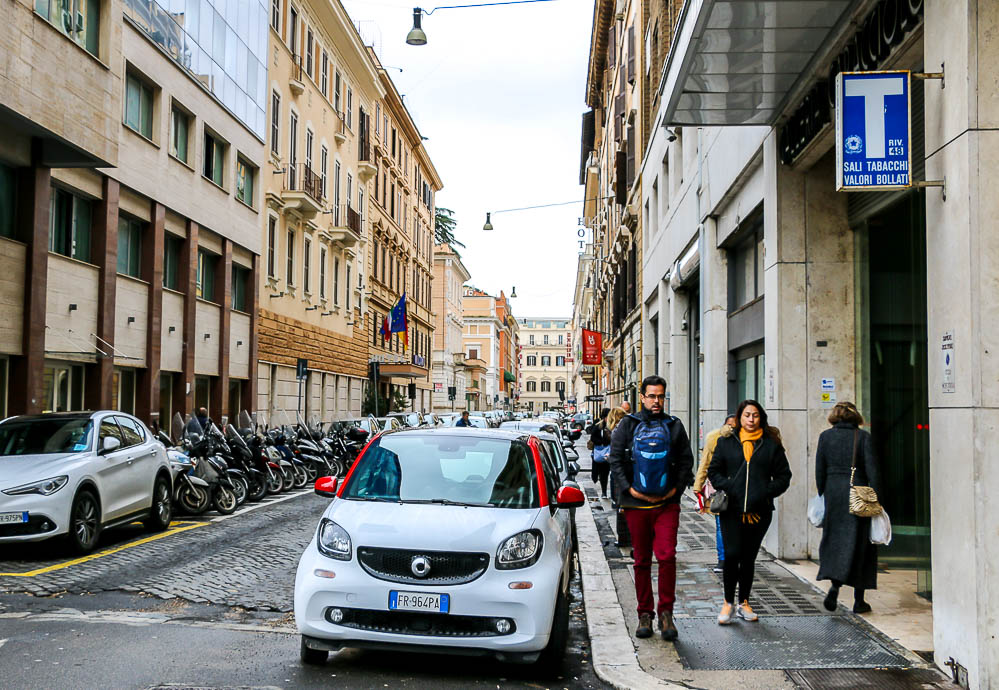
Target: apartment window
<point x="271" y="247"/>
<point x="336" y="280"/>
<point x="70" y="222"/>
<point x="180" y="129"/>
<point x="348" y="116"/>
<point x="129" y="246"/>
<point x="546" y="386"/>
<point x="532" y="386"/>
<point x="275" y="123"/>
<point x="393" y="142"/>
<point x="309" y="138"/>
<point x="546" y="360"/>
<point x="293" y="31"/>
<point x="78" y="19"/>
<point x="240" y="288"/>
<point x="374" y="259"/>
<point x="473" y="353"/>
<point x="276" y="15"/>
<point x="560" y="361"/>
<point x="324" y="157"/>
<point x="322" y="273"/>
<point x="307" y="265"/>
<point x="245" y="175"/>
<point x="290" y="275"/>
<point x="561" y="340"/>
<point x="545" y="339"/>
<point x="172" y="247"/>
<point x="532" y="360"/>
<point x="324" y="75"/>
<point x="746" y="262"/>
<point x="560" y="386"/>
<point x="308" y="53"/>
<point x="214" y="159"/>
<point x="383" y="266"/>
<point x="336" y="92"/>
<point x="378" y="118"/>
<point x="392" y="202"/>
<point x="347" y="277"/>
<point x="350" y="187"/>
<point x="205" y="279"/>
<point x="138" y="106"/>
<point x="292" y="149"/>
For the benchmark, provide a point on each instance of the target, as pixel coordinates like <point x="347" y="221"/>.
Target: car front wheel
<point x="84" y="522"/>
<point x="550" y="662"/>
<point x="161" y="511"/>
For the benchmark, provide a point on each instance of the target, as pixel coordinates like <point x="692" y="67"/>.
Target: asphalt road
<point x="206" y="604"/>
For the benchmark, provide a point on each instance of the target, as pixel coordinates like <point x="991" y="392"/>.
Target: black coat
<point x="846" y="553"/>
<point x="751" y="487"/>
<point x="599" y="435"/>
<point x="681" y="459"/>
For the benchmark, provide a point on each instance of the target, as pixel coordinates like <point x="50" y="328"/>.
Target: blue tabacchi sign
<point x="873" y="126"/>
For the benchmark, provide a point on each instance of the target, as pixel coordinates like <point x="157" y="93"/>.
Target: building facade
<point x="760" y="280"/>
<point x="481" y="341"/>
<point x="450" y="275"/>
<point x="129" y="209"/>
<point x="322" y="88"/>
<point x="546" y="371"/>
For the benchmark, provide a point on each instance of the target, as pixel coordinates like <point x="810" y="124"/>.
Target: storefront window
<point x="62" y="387"/>
<point x="749" y="378"/>
<point x="202" y="393"/>
<point x="8" y="196"/>
<point x="123" y="390"/>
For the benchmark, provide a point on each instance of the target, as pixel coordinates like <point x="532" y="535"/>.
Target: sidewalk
<point x="796" y="643"/>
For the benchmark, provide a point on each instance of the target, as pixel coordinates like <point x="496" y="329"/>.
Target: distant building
<point x="449" y="353"/>
<point x="546" y="371"/>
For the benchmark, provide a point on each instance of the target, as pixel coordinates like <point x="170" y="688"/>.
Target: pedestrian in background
<point x="752" y="469"/>
<point x="704" y="489"/>
<point x="614" y="418"/>
<point x="846" y="554"/>
<point x="652" y="463"/>
<point x="599" y="445"/>
<point x="464" y="419"/>
<point x="626" y="406"/>
<point x="203" y="418"/>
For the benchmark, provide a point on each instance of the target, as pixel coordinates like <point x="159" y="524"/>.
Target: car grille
<point x="426" y="624"/>
<point x="446" y="567"/>
<point x="36" y="524"/>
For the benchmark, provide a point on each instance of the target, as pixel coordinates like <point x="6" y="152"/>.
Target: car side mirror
<point x="569" y="497"/>
<point x="326" y="487"/>
<point x="110" y="444"/>
<point x="573" y="469"/>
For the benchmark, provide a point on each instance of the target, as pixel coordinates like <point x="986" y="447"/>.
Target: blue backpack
<point x="650" y="445"/>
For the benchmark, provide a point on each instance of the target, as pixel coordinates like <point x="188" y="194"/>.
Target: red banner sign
<point x="592" y="347"/>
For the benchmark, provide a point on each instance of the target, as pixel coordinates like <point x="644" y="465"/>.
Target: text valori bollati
<point x="877" y="172"/>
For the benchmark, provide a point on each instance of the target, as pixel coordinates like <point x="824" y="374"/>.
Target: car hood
<point x="21" y="469"/>
<point x="432" y="527"/>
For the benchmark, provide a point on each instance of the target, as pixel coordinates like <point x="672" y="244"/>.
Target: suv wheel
<point x="84" y="522"/>
<point x="161" y="512"/>
<point x="550" y="662"/>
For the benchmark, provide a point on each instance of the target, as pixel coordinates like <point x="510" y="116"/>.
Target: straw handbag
<point x="863" y="499"/>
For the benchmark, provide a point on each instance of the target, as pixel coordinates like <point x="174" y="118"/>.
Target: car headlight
<point x="333" y="540"/>
<point x="46" y="487"/>
<point x="520" y="550"/>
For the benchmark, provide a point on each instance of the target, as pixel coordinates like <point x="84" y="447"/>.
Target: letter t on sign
<point x="873" y="92"/>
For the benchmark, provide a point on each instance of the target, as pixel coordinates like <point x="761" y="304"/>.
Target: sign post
<point x="873" y="131"/>
<point x="301" y="372"/>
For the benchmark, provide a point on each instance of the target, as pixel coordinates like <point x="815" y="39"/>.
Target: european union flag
<point x="400" y="319"/>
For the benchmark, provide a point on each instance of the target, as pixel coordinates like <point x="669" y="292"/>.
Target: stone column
<point x="251" y="386"/>
<point x="98" y="391"/>
<point x="187" y="272"/>
<point x="33" y="208"/>
<point x="962" y="248"/>
<point x="714" y="329"/>
<point x="147" y="404"/>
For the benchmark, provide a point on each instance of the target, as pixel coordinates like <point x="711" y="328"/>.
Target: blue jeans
<point x="719" y="544"/>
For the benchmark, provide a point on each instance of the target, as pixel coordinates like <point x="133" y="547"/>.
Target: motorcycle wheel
<point x="301" y="476"/>
<point x="313" y="471"/>
<point x="339" y="467"/>
<point x="194" y="500"/>
<point x="288" y="477"/>
<point x="241" y="487"/>
<point x="224" y="501"/>
<point x="257" y="489"/>
<point x="275" y="483"/>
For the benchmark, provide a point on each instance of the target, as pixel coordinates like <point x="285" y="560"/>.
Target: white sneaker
<point x="725" y="617"/>
<point x="746" y="613"/>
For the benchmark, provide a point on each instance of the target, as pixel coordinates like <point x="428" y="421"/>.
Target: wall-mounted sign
<point x="947" y="362"/>
<point x="873" y="125"/>
<point x="592" y="346"/>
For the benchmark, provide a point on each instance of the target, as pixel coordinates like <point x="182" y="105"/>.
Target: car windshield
<point x="446" y="469"/>
<point x="45" y="435"/>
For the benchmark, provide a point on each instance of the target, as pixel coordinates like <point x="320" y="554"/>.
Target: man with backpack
<point x="652" y="463"/>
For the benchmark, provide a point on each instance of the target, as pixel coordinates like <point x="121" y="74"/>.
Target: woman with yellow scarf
<point x="750" y="466"/>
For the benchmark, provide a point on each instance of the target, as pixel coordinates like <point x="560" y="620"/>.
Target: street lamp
<point x="416" y="36"/>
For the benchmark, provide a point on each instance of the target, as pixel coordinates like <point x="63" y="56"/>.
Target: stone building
<point x="485" y="321"/>
<point x="130" y="199"/>
<point x="450" y="275"/>
<point x="546" y="371"/>
<point x="322" y="88"/>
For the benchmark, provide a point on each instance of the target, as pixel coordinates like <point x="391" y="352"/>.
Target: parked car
<point x="409" y="420"/>
<point x="76" y="474"/>
<point x="444" y="540"/>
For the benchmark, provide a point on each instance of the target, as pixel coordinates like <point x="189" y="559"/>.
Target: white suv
<point x="77" y="473"/>
<point x="456" y="540"/>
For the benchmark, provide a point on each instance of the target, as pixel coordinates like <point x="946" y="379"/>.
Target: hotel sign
<point x="873" y="127"/>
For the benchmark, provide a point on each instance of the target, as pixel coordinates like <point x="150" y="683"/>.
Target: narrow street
<point x="208" y="604"/>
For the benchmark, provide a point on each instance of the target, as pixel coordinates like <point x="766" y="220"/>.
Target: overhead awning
<point x="734" y="62"/>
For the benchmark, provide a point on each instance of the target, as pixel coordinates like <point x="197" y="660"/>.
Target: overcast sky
<point x="499" y="91"/>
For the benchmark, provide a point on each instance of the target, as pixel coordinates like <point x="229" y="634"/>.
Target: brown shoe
<point x="666" y="627"/>
<point x="644" y="625"/>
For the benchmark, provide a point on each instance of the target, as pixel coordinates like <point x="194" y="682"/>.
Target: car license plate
<point x="419" y="601"/>
<point x="12" y="518"/>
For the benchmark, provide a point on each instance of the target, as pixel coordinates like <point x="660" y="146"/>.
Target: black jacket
<point x="681" y="458"/>
<point x="599" y="434"/>
<point x="751" y="487"/>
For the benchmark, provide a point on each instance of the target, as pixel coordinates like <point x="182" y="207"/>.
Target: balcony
<point x="475" y="365"/>
<point x="347" y="226"/>
<point x="303" y="191"/>
<point x="340" y="129"/>
<point x="366" y="168"/>
<point x="296" y="84"/>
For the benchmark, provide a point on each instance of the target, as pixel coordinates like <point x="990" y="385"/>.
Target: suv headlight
<point x="333" y="540"/>
<point x="520" y="550"/>
<point x="46" y="487"/>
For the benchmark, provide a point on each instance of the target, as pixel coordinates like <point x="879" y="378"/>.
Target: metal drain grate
<point x="871" y="679"/>
<point x="781" y="642"/>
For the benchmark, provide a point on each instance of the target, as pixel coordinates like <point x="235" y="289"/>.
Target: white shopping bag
<point x="881" y="529"/>
<point x="817" y="510"/>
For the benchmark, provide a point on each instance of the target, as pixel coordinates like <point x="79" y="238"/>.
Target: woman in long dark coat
<point x="846" y="554"/>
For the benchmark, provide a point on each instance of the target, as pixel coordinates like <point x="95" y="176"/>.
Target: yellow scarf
<point x="748" y="438"/>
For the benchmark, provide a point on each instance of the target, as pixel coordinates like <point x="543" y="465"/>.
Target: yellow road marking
<point x="181" y="527"/>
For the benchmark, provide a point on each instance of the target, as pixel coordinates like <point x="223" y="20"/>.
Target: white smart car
<point x="76" y="473"/>
<point x="453" y="540"/>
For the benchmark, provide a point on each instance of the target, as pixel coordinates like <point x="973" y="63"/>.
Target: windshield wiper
<point x="447" y="502"/>
<point x="378" y="499"/>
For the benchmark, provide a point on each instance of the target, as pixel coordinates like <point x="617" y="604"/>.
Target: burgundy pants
<point x="653" y="530"/>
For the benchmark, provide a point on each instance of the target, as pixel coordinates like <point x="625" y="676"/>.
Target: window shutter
<point x="631" y="156"/>
<point x="621" y="171"/>
<point x="618" y="115"/>
<point x="631" y="54"/>
<point x="611" y="47"/>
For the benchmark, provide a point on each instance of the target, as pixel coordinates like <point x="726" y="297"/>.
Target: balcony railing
<point x="344" y="216"/>
<point x="302" y="178"/>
